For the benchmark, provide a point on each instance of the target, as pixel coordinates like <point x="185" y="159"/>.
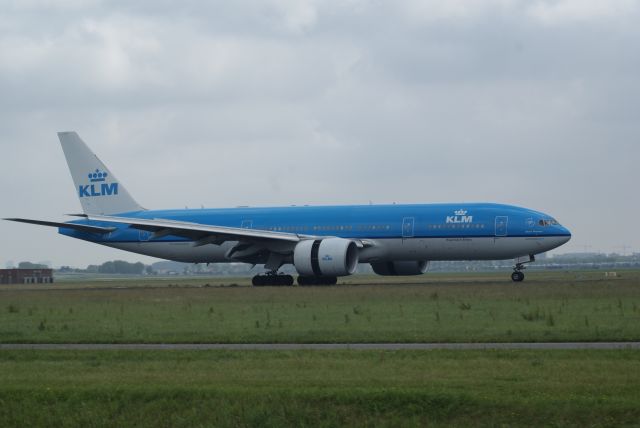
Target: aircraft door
<point x="502" y="223"/>
<point x="407" y="227"/>
<point x="246" y="224"/>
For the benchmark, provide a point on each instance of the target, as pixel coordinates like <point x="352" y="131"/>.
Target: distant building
<point x="26" y="276"/>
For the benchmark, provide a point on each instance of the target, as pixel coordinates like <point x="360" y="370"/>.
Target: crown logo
<point x="460" y="212"/>
<point x="97" y="176"/>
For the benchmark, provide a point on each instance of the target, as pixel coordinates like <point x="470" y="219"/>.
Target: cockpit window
<point x="548" y="222"/>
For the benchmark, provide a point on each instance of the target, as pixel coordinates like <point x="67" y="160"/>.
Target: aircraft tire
<point x="330" y="280"/>
<point x="517" y="276"/>
<point x="273" y="280"/>
<point x="317" y="280"/>
<point x="285" y="280"/>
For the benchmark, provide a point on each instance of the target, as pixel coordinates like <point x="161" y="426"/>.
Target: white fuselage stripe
<point x="486" y="248"/>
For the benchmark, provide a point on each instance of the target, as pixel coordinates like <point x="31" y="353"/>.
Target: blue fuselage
<point x="454" y="224"/>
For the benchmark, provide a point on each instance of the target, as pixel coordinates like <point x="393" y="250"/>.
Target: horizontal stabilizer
<point x="78" y="227"/>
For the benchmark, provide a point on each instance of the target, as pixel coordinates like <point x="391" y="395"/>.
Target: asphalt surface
<point x="314" y="346"/>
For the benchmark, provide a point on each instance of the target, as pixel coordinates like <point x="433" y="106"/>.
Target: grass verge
<point x="319" y="388"/>
<point x="457" y="308"/>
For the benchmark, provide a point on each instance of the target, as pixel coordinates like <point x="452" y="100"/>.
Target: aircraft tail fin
<point x="96" y="186"/>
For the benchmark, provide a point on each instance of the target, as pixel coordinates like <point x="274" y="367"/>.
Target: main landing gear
<point x="275" y="279"/>
<point x="317" y="280"/>
<point x="518" y="275"/>
<point x="272" y="278"/>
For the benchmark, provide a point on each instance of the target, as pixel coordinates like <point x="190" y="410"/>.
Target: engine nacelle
<point x="326" y="257"/>
<point x="400" y="268"/>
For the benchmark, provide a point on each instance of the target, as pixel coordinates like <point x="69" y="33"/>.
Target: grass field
<point x="582" y="306"/>
<point x="320" y="388"/>
<point x="323" y="388"/>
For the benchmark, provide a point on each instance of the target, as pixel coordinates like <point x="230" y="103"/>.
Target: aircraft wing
<point x="78" y="227"/>
<point x="202" y="234"/>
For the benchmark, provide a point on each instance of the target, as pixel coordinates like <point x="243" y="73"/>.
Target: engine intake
<point x="400" y="268"/>
<point x="326" y="257"/>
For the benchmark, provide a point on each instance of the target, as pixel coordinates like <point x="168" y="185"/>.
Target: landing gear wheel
<point x="272" y="279"/>
<point x="286" y="280"/>
<point x="521" y="262"/>
<point x="317" y="280"/>
<point x="517" y="276"/>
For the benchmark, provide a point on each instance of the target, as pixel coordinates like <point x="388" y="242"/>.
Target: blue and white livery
<point x="322" y="243"/>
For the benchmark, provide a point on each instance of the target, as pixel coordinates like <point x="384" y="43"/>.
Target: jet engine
<point x="400" y="268"/>
<point x="326" y="257"/>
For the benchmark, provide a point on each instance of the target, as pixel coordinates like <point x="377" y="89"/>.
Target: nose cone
<point x="566" y="235"/>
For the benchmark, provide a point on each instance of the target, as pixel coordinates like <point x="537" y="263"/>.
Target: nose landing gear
<point x="518" y="275"/>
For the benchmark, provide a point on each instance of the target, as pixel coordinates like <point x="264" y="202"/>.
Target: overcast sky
<point x="191" y="103"/>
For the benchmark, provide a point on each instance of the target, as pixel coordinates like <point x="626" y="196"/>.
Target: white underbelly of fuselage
<point x="485" y="248"/>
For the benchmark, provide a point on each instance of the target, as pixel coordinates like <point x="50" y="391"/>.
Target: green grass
<point x="464" y="308"/>
<point x="319" y="388"/>
<point x="323" y="388"/>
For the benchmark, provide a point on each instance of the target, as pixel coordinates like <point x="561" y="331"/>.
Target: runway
<point x="312" y="346"/>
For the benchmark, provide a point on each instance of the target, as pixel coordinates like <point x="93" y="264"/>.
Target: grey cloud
<point x="283" y="102"/>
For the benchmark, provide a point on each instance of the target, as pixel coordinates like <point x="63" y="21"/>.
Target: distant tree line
<point x="118" y="266"/>
<point x="29" y="265"/>
<point x="112" y="267"/>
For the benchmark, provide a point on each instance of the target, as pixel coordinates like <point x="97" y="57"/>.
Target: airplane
<point x="321" y="242"/>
